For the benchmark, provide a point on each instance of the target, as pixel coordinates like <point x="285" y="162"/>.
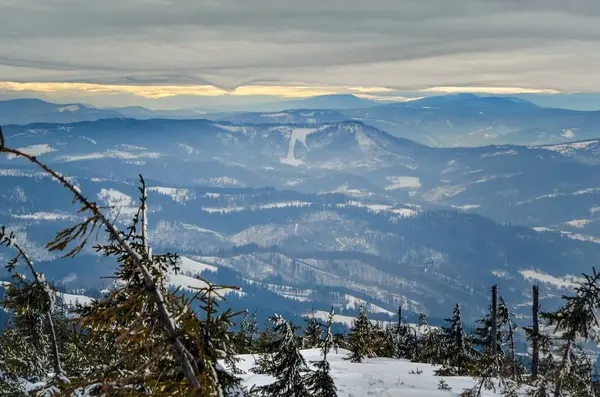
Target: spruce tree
<point x="359" y="338"/>
<point x="284" y="362"/>
<point x="312" y="333"/>
<point x="508" y="329"/>
<point x="33" y="303"/>
<point x="575" y="321"/>
<point x="403" y="338"/>
<point x="320" y="383"/>
<point x="458" y="351"/>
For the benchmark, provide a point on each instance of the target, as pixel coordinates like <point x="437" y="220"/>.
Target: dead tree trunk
<point x="535" y="337"/>
<point x="494" y="325"/>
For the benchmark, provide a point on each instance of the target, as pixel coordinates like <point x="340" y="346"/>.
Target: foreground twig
<point x="182" y="353"/>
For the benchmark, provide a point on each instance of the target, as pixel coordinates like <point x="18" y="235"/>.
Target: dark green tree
<point x="359" y="338"/>
<point x="284" y="362"/>
<point x="320" y="383"/>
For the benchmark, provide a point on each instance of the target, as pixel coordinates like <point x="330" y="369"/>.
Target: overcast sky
<point x="397" y="44"/>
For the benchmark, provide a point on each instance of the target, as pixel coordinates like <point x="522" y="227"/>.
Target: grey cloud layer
<point x="402" y="44"/>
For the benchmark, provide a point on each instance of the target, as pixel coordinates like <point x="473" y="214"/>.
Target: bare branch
<point x="166" y="317"/>
<point x="144" y="215"/>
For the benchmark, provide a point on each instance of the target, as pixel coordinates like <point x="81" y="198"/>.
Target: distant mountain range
<point x="450" y="120"/>
<point x="304" y="216"/>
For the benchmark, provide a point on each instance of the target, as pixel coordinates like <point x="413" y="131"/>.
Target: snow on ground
<point x="297" y="135"/>
<point x="220" y="181"/>
<point x="284" y="204"/>
<point x="178" y="195"/>
<point x="403" y="182"/>
<point x="503" y="153"/>
<point x="74" y="300"/>
<point x="376" y="208"/>
<point x="223" y="210"/>
<point x="567" y="282"/>
<point x="338" y="319"/>
<point x="22" y="173"/>
<point x="109" y="154"/>
<point x="274" y="115"/>
<point x="120" y="204"/>
<point x="89" y="140"/>
<point x="188" y="265"/>
<point x="501" y="274"/>
<point x="466" y="207"/>
<point x="578" y="223"/>
<point x="569" y="149"/>
<point x="68" y="108"/>
<point x="192" y="284"/>
<point x="33" y="150"/>
<point x="353" y="302"/>
<point x="45" y="216"/>
<point x="380" y="377"/>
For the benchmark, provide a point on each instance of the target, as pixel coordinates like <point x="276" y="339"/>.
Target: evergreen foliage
<point x="320" y="383"/>
<point x="284" y="363"/>
<point x="458" y="349"/>
<point x="359" y="338"/>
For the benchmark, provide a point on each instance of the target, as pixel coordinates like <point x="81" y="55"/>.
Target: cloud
<point x="400" y="45"/>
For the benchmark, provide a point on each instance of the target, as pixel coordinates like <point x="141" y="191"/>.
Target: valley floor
<point x="376" y="377"/>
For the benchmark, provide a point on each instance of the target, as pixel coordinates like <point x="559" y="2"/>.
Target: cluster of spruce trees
<point x="143" y="338"/>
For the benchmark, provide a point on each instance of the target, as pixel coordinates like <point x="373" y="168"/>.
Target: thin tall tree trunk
<point x="563" y="365"/>
<point x="513" y="353"/>
<point x="535" y="338"/>
<point x="58" y="371"/>
<point x="494" y="326"/>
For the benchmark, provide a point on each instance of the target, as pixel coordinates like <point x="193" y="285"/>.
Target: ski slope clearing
<point x="378" y="377"/>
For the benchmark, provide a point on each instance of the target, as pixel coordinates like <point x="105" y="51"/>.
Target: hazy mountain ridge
<point x="353" y="210"/>
<point x="450" y="120"/>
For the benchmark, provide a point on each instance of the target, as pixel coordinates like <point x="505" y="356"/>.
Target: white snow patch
<point x="297" y="135"/>
<point x="501" y="274"/>
<point x="45" y="216"/>
<point x="109" y="154"/>
<point x="403" y="182"/>
<point x="74" y="300"/>
<point x="89" y="140"/>
<point x="578" y="223"/>
<point x="187" y="265"/>
<point x="502" y="153"/>
<point x="467" y="207"/>
<point x="120" y="203"/>
<point x="69" y="108"/>
<point x="274" y="115"/>
<point x="569" y="149"/>
<point x="353" y="303"/>
<point x="33" y="150"/>
<point x="177" y="195"/>
<point x="219" y="181"/>
<point x="187" y="283"/>
<point x="285" y="204"/>
<point x="566" y="282"/>
<point x="224" y="210"/>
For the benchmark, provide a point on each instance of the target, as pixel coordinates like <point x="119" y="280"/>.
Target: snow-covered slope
<point x="380" y="377"/>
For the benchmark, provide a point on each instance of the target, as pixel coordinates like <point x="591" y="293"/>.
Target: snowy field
<point x="379" y="377"/>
